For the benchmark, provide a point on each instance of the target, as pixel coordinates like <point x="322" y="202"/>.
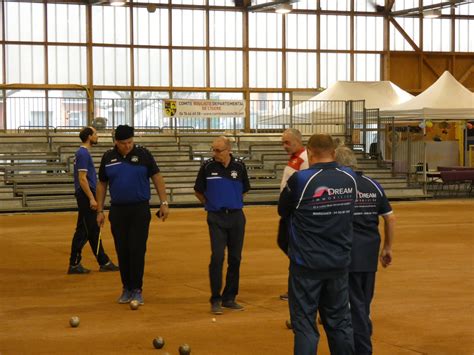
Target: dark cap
<point x="123" y="132"/>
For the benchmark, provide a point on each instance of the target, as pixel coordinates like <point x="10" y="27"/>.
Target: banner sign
<point x="204" y="108"/>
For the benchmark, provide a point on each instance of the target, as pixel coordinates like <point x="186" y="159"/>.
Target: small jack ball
<point x="288" y="324"/>
<point x="158" y="343"/>
<point x="184" y="349"/>
<point x="134" y="305"/>
<point x="74" y="322"/>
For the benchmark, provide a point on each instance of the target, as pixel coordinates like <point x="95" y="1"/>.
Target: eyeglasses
<point x="215" y="150"/>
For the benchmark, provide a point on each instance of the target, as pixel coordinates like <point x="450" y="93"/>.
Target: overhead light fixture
<point x="117" y="2"/>
<point x="432" y="13"/>
<point x="284" y="8"/>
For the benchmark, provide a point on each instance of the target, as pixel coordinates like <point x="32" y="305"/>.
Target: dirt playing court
<point x="424" y="303"/>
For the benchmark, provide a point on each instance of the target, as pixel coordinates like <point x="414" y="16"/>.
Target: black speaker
<point x="239" y="3"/>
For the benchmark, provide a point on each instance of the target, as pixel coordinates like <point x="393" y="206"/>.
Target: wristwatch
<point x="164" y="203"/>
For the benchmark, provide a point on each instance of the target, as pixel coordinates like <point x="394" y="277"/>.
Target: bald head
<point x="291" y="139"/>
<point x="321" y="148"/>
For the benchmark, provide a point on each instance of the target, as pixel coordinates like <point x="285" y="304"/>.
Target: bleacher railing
<point x="340" y="118"/>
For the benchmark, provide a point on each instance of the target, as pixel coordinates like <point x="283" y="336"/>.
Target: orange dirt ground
<point x="423" y="303"/>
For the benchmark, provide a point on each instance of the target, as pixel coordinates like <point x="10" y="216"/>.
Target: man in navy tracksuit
<point x="127" y="169"/>
<point x="85" y="181"/>
<point x="320" y="203"/>
<point x="220" y="185"/>
<point x="371" y="203"/>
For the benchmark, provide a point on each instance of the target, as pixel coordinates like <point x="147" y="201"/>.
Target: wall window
<point x="367" y="67"/>
<point x="265" y="69"/>
<point x="67" y="65"/>
<point x="226" y="68"/>
<point x="189" y="27"/>
<point x="150" y="28"/>
<point x="189" y="68"/>
<point x="341" y="5"/>
<point x="404" y="4"/>
<point x="301" y="31"/>
<point x="335" y="32"/>
<point x="114" y="106"/>
<point x="436" y="35"/>
<point x="151" y="67"/>
<point x="265" y="30"/>
<point x="111" y="66"/>
<point x="66" y="23"/>
<point x="225" y="29"/>
<point x="411" y="26"/>
<point x="368" y="33"/>
<point x="24" y="64"/>
<point x="370" y="6"/>
<point x="111" y="24"/>
<point x="334" y="67"/>
<point x="464" y="44"/>
<point x="301" y="70"/>
<point x="24" y="21"/>
<point x="221" y="3"/>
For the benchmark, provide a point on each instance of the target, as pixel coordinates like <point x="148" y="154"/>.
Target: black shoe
<point x="77" y="269"/>
<point x="284" y="297"/>
<point x="216" y="308"/>
<point x="110" y="266"/>
<point x="233" y="305"/>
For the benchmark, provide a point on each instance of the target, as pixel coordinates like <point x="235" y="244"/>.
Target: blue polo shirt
<point x="83" y="162"/>
<point x="320" y="204"/>
<point x="222" y="186"/>
<point x="370" y="204"/>
<point x="128" y="176"/>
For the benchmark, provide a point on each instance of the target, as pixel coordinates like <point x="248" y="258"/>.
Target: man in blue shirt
<point x="319" y="204"/>
<point x="127" y="170"/>
<point x="220" y="185"/>
<point x="85" y="181"/>
<point x="371" y="203"/>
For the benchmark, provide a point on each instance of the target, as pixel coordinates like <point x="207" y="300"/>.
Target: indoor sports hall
<point x="163" y="91"/>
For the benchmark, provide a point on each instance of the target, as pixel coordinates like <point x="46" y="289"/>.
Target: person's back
<point x="371" y="202"/>
<point x="319" y="203"/>
<point x="321" y="222"/>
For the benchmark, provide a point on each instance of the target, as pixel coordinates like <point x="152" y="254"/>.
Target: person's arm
<point x="389" y="228"/>
<point x="86" y="188"/>
<point x="200" y="185"/>
<point x="160" y="187"/>
<point x="286" y="204"/>
<point x="100" y="198"/>
<point x="200" y="196"/>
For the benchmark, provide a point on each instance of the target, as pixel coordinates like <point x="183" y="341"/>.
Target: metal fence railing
<point x="339" y="118"/>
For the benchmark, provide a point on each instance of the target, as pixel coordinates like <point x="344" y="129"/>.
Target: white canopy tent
<point x="446" y="99"/>
<point x="328" y="107"/>
<point x="375" y="93"/>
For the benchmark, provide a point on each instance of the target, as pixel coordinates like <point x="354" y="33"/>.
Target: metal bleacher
<point x="38" y="177"/>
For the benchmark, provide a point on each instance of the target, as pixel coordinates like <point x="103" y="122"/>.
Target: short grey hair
<point x="346" y="157"/>
<point x="295" y="133"/>
<point x="226" y="141"/>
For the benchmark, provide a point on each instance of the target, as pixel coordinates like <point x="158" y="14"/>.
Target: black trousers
<point x="308" y="294"/>
<point x="361" y="292"/>
<point x="87" y="230"/>
<point x="130" y="225"/>
<point x="225" y="230"/>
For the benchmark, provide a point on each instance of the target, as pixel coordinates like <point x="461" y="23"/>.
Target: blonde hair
<point x="346" y="157"/>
